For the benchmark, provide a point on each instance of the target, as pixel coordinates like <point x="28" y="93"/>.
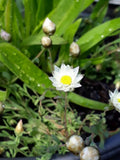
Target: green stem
<point x="50" y="55"/>
<point x="65" y="115"/>
<point x="39" y="54"/>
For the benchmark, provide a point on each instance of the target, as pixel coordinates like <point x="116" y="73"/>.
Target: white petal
<point x="79" y="77"/>
<point x="75" y="70"/>
<point x="52" y="79"/>
<point x="56" y="68"/>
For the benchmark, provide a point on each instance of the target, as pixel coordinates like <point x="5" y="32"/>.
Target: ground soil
<point x="99" y="91"/>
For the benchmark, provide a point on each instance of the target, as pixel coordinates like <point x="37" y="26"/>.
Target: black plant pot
<point x="111" y="151"/>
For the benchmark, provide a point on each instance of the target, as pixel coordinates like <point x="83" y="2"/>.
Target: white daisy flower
<point x="115" y="99"/>
<point x="66" y="78"/>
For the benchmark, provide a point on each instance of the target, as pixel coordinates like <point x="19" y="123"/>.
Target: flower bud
<point x="19" y="128"/>
<point x="1" y="108"/>
<point x="98" y="67"/>
<point x="117" y="85"/>
<point x="89" y="153"/>
<point x="46" y="42"/>
<point x="48" y="27"/>
<point x="5" y="36"/>
<point x="1" y="150"/>
<point x="75" y="144"/>
<point x="74" y="49"/>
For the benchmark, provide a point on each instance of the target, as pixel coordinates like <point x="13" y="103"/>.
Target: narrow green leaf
<point x="65" y="14"/>
<point x="68" y="10"/>
<point x="69" y="36"/>
<point x="44" y="7"/>
<point x="9" y="15"/>
<point x="3" y="95"/>
<point x="22" y="67"/>
<point x="97" y="34"/>
<point x="35" y="78"/>
<point x="85" y="102"/>
<point x="30" y="12"/>
<point x="36" y="40"/>
<point x="99" y="11"/>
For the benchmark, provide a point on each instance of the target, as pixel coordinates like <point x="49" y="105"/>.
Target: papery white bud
<point x="1" y="108"/>
<point x="4" y="35"/>
<point x="98" y="67"/>
<point x="19" y="128"/>
<point x="46" y="42"/>
<point x="74" y="49"/>
<point x="48" y="27"/>
<point x="117" y="85"/>
<point x="1" y="150"/>
<point x="75" y="144"/>
<point x="89" y="153"/>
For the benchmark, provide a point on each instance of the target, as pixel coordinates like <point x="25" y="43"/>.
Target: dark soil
<point x="98" y="91"/>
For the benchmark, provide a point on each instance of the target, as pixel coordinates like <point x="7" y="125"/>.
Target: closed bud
<point x="1" y="150"/>
<point x="1" y="108"/>
<point x="5" y="36"/>
<point x="98" y="67"/>
<point x="117" y="85"/>
<point x="74" y="49"/>
<point x="75" y="144"/>
<point x="48" y="27"/>
<point x="19" y="128"/>
<point x="46" y="42"/>
<point x="89" y="153"/>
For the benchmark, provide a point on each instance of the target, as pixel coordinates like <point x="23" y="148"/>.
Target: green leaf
<point x="97" y="34"/>
<point x="44" y="7"/>
<point x="99" y="11"/>
<point x="85" y="102"/>
<point x="23" y="68"/>
<point x="69" y="36"/>
<point x="35" y="78"/>
<point x="30" y="7"/>
<point x="9" y="15"/>
<point x="36" y="40"/>
<point x="3" y="95"/>
<point x="68" y="10"/>
<point x="65" y="13"/>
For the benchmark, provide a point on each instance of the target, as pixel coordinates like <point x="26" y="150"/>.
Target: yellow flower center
<point x="118" y="99"/>
<point x="66" y="80"/>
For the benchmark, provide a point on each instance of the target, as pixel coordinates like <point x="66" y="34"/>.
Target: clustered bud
<point x="1" y="150"/>
<point x="19" y="128"/>
<point x="5" y="36"/>
<point x="74" y="49"/>
<point x="46" y="42"/>
<point x="75" y="144"/>
<point x="48" y="27"/>
<point x="89" y="153"/>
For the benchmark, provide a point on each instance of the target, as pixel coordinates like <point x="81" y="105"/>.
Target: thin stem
<point x="82" y="125"/>
<point x="50" y="55"/>
<point x="39" y="54"/>
<point x="65" y="115"/>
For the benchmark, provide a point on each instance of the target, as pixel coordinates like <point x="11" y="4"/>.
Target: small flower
<point x="46" y="42"/>
<point x="89" y="153"/>
<point x="48" y="27"/>
<point x="115" y="99"/>
<point x="19" y="128"/>
<point x="75" y="144"/>
<point x="74" y="49"/>
<point x="66" y="78"/>
<point x="4" y="35"/>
